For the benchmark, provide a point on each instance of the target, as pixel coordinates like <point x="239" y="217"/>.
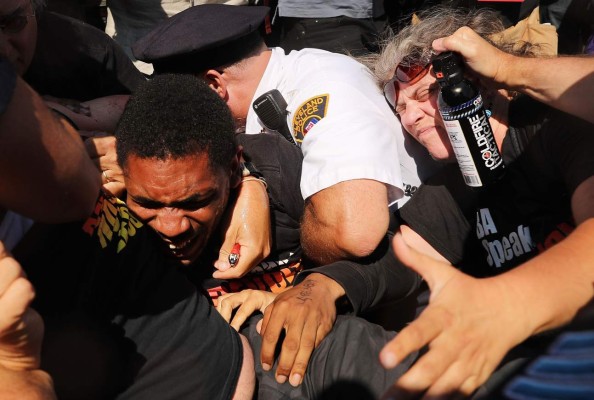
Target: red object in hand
<point x="234" y="255"/>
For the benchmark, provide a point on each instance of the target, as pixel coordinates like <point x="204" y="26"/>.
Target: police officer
<point x="354" y="156"/>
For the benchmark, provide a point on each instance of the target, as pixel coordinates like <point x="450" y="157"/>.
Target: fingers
<point x="270" y="331"/>
<point x="16" y="293"/>
<point x="412" y="338"/>
<point x="455" y="42"/>
<point x="98" y="146"/>
<point x="295" y="338"/>
<point x="102" y="151"/>
<point x="426" y="372"/>
<point x="414" y="260"/>
<point x="247" y="302"/>
<point x="225" y="306"/>
<point x="445" y="372"/>
<point x="457" y="382"/>
<point x="310" y="339"/>
<point x="115" y="188"/>
<point x="247" y="260"/>
<point x="10" y="271"/>
<point x="435" y="273"/>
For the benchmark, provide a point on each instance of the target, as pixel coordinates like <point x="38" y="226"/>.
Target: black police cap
<point x="201" y="37"/>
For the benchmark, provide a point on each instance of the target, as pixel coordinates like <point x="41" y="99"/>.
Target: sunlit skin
<point x="416" y="106"/>
<point x="181" y="199"/>
<point x="19" y="47"/>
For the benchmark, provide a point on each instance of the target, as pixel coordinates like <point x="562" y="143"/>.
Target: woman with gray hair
<point x="506" y="232"/>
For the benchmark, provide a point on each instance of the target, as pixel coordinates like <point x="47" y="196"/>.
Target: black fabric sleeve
<point x="121" y="321"/>
<point x="441" y="212"/>
<point x="372" y="281"/>
<point x="188" y="350"/>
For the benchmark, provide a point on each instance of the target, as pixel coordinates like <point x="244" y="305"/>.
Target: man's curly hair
<point x="174" y="116"/>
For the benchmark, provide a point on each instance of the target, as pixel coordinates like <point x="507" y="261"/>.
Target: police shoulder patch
<point x="308" y="114"/>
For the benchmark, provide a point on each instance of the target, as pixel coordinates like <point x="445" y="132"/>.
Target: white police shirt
<point x="340" y="117"/>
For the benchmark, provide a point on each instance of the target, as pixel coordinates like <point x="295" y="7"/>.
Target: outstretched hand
<point x="469" y="326"/>
<point x="247" y="223"/>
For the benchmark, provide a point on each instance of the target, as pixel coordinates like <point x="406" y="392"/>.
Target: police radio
<point x="271" y="108"/>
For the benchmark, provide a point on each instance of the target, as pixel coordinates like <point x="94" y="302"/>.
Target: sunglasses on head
<point x="410" y="74"/>
<point x="15" y="22"/>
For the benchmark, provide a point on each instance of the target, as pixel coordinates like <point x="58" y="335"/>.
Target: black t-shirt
<point x="75" y="60"/>
<point x="122" y="321"/>
<point x="547" y="155"/>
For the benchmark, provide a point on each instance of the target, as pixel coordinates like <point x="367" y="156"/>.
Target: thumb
<point x="438" y="45"/>
<point x="224" y="270"/>
<point x="433" y="272"/>
<point x="259" y="326"/>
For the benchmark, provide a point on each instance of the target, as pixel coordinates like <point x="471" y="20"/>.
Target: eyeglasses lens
<point x="411" y="74"/>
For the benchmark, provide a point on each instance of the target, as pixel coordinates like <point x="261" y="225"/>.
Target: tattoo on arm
<point x="305" y="293"/>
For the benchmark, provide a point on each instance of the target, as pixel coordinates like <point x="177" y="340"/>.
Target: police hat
<point x="201" y="37"/>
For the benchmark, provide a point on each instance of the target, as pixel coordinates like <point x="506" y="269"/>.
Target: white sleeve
<point x="355" y="138"/>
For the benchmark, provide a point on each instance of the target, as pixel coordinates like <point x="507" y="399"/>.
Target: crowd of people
<point x="255" y="222"/>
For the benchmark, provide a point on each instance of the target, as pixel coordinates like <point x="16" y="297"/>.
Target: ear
<point x="236" y="170"/>
<point x="217" y="82"/>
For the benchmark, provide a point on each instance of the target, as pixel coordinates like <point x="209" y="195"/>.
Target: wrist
<point x="249" y="173"/>
<point x="330" y="285"/>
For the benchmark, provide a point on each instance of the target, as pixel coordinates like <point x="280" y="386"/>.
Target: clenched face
<point x="19" y="29"/>
<point x="416" y="105"/>
<point x="182" y="199"/>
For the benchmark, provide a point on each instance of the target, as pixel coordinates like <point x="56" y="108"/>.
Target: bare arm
<point x="565" y="83"/>
<point x="345" y="221"/>
<point x="468" y="339"/>
<point x="45" y="171"/>
<point x="246" y="384"/>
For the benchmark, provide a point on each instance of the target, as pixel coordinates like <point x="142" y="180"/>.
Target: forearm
<point x="43" y="162"/>
<point x="345" y="221"/>
<point x="553" y="286"/>
<point x="563" y="82"/>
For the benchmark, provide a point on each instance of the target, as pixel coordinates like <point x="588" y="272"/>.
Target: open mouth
<point x="182" y="248"/>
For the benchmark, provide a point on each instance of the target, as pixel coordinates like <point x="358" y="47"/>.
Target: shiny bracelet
<point x="253" y="178"/>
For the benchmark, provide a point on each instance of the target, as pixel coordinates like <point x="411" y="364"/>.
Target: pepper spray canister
<point x="466" y="122"/>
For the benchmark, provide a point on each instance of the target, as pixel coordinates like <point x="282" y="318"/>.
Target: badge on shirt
<point x="308" y="114"/>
